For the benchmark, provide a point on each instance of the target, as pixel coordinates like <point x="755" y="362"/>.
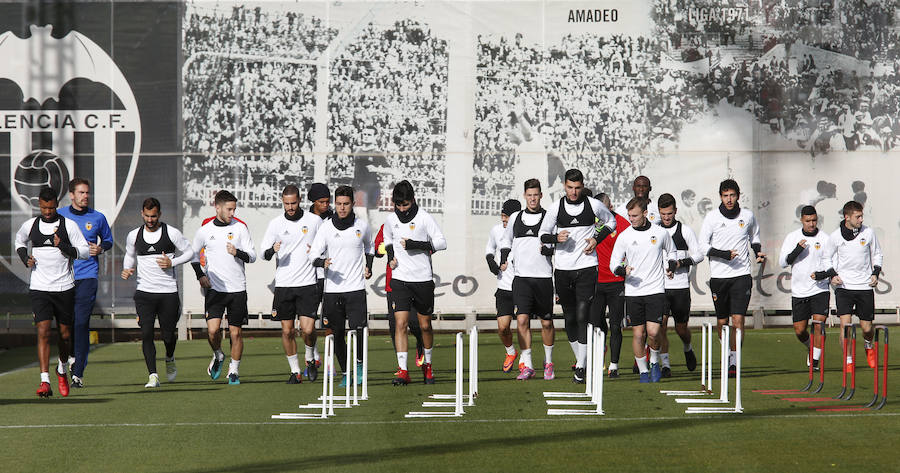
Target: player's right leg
<point x="503" y="301"/>
<point x="43" y="343"/>
<point x="523" y="330"/>
<point x="564" y="285"/>
<point x="169" y="312"/>
<point x="800" y="320"/>
<point x="615" y="298"/>
<point x="284" y="310"/>
<point x="663" y="340"/>
<point x="237" y="318"/>
<point x="145" y="305"/>
<point x="215" y="310"/>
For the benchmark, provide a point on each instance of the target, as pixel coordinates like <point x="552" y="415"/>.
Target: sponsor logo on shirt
<point x="88" y="226"/>
<point x="151" y="248"/>
<point x="575" y="220"/>
<point x="633" y="242"/>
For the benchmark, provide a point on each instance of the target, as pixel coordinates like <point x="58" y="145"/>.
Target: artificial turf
<point x="199" y="425"/>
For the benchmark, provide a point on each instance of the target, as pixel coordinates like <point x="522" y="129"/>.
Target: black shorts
<point x="731" y="295"/>
<point x="802" y="308"/>
<point x="408" y="296"/>
<point x="642" y="309"/>
<point x="341" y="307"/>
<point x="151" y="305"/>
<point x="232" y="303"/>
<point x="859" y="302"/>
<point x="289" y="302"/>
<point x="51" y="305"/>
<point x="503" y="301"/>
<point x="573" y="286"/>
<point x="609" y="299"/>
<point x="533" y="297"/>
<point x="678" y="305"/>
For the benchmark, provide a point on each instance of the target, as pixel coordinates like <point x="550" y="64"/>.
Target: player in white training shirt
<point x="287" y="239"/>
<point x="343" y="246"/>
<point x="152" y="251"/>
<point x="639" y="256"/>
<point x="55" y="242"/>
<point x="504" y="272"/>
<point x="411" y="235"/>
<point x="226" y="242"/>
<point x="726" y="237"/>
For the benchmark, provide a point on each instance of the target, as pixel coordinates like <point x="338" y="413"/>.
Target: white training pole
<point x="473" y="365"/>
<point x="365" y="380"/>
<point x="723" y="373"/>
<point x="331" y="373"/>
<point x="588" y="369"/>
<point x="356" y="380"/>
<point x="598" y="344"/>
<point x="459" y="375"/>
<point x="589" y="362"/>
<point x="738" y="407"/>
<point x="327" y="404"/>
<point x="347" y="365"/>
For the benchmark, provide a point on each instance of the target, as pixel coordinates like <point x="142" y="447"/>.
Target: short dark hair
<point x="666" y="200"/>
<point x="729" y="184"/>
<point x="151" y="203"/>
<point x="344" y="191"/>
<point x="852" y="206"/>
<point x="603" y="197"/>
<point x="291" y="189"/>
<point x="574" y="175"/>
<point x="77" y="181"/>
<point x="224" y="196"/>
<point x="808" y="210"/>
<point x="532" y="184"/>
<point x="48" y="194"/>
<point x="403" y="192"/>
<point x="587" y="192"/>
<point x="636" y="202"/>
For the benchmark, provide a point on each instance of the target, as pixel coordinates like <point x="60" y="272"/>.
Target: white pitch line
<point x="460" y="421"/>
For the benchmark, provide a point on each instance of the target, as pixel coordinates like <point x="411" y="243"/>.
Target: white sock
<point x="526" y="358"/>
<point x="233" y="366"/>
<point x="613" y="366"/>
<point x="817" y="352"/>
<point x="315" y="352"/>
<point x="849" y="359"/>
<point x="642" y="364"/>
<point x="219" y="355"/>
<point x="61" y="367"/>
<point x="664" y="359"/>
<point x="510" y="350"/>
<point x="310" y="353"/>
<point x="548" y="353"/>
<point x="45" y="377"/>
<point x="294" y="363"/>
<point x="401" y="359"/>
<point x="654" y="356"/>
<point x="574" y="346"/>
<point x="731" y="357"/>
<point x="688" y="347"/>
<point x="582" y="355"/>
<point x="71" y="360"/>
<point x="428" y="355"/>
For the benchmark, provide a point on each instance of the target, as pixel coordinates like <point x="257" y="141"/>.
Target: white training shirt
<point x="225" y="272"/>
<point x="150" y="277"/>
<point x="682" y="277"/>
<point x="346" y="248"/>
<point x="723" y="233"/>
<point x="413" y="265"/>
<point x="652" y="211"/>
<point x="644" y="251"/>
<point x="495" y="238"/>
<point x="53" y="271"/>
<point x="815" y="257"/>
<point x="292" y="265"/>
<point x="855" y="260"/>
<point x="521" y="236"/>
<point x="570" y="254"/>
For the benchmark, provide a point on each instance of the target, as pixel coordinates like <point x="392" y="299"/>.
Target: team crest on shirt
<point x="230" y="236"/>
<point x="412" y="225"/>
<point x="652" y="218"/>
<point x="862" y="242"/>
<point x="818" y="246"/>
<point x="741" y="223"/>
<point x="304" y="229"/>
<point x="653" y="240"/>
<point x="88" y="226"/>
<point x="358" y="233"/>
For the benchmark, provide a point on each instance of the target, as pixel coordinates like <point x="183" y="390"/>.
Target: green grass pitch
<point x="199" y="425"/>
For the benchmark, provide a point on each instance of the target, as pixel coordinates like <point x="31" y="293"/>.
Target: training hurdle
<point x="738" y="407"/>
<point x="594" y="381"/>
<point x="874" y="403"/>
<point x="706" y="337"/>
<point x="352" y="342"/>
<point x="811" y="360"/>
<point x="848" y="362"/>
<point x="457" y="397"/>
<point x="327" y="405"/>
<point x="588" y="373"/>
<point x="473" y="377"/>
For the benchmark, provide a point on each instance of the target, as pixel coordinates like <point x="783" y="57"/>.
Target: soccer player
<point x="413" y="322"/>
<point x="609" y="294"/>
<point x="805" y="250"/>
<point x="857" y="259"/>
<point x="504" y="272"/>
<point x="581" y="222"/>
<point x="287" y="239"/>
<point x="320" y="197"/>
<point x="152" y="251"/>
<point x="411" y="236"/>
<point x="639" y="256"/>
<point x="726" y="237"/>
<point x="686" y="253"/>
<point x="96" y="231"/>
<point x="228" y="247"/>
<point x="641" y="188"/>
<point x="343" y="246"/>
<point x="532" y="286"/>
<point x="55" y="241"/>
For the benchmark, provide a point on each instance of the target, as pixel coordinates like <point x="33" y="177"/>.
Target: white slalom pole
<point x="473" y="365"/>
<point x="589" y="362"/>
<point x="365" y="380"/>
<point x="356" y="380"/>
<point x="459" y="375"/>
<point x="723" y="372"/>
<point x="347" y="365"/>
<point x="738" y="339"/>
<point x="330" y="377"/>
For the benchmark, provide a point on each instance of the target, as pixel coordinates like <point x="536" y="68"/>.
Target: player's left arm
<point x="877" y="259"/>
<point x="182" y="245"/>
<point x="755" y="242"/>
<point x="668" y="247"/>
<point x="606" y="221"/>
<point x="436" y="241"/>
<point x="369" y="250"/>
<point x="694" y="252"/>
<point x="245" y="250"/>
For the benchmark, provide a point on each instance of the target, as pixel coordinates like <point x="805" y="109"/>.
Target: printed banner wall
<point x="795" y="99"/>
